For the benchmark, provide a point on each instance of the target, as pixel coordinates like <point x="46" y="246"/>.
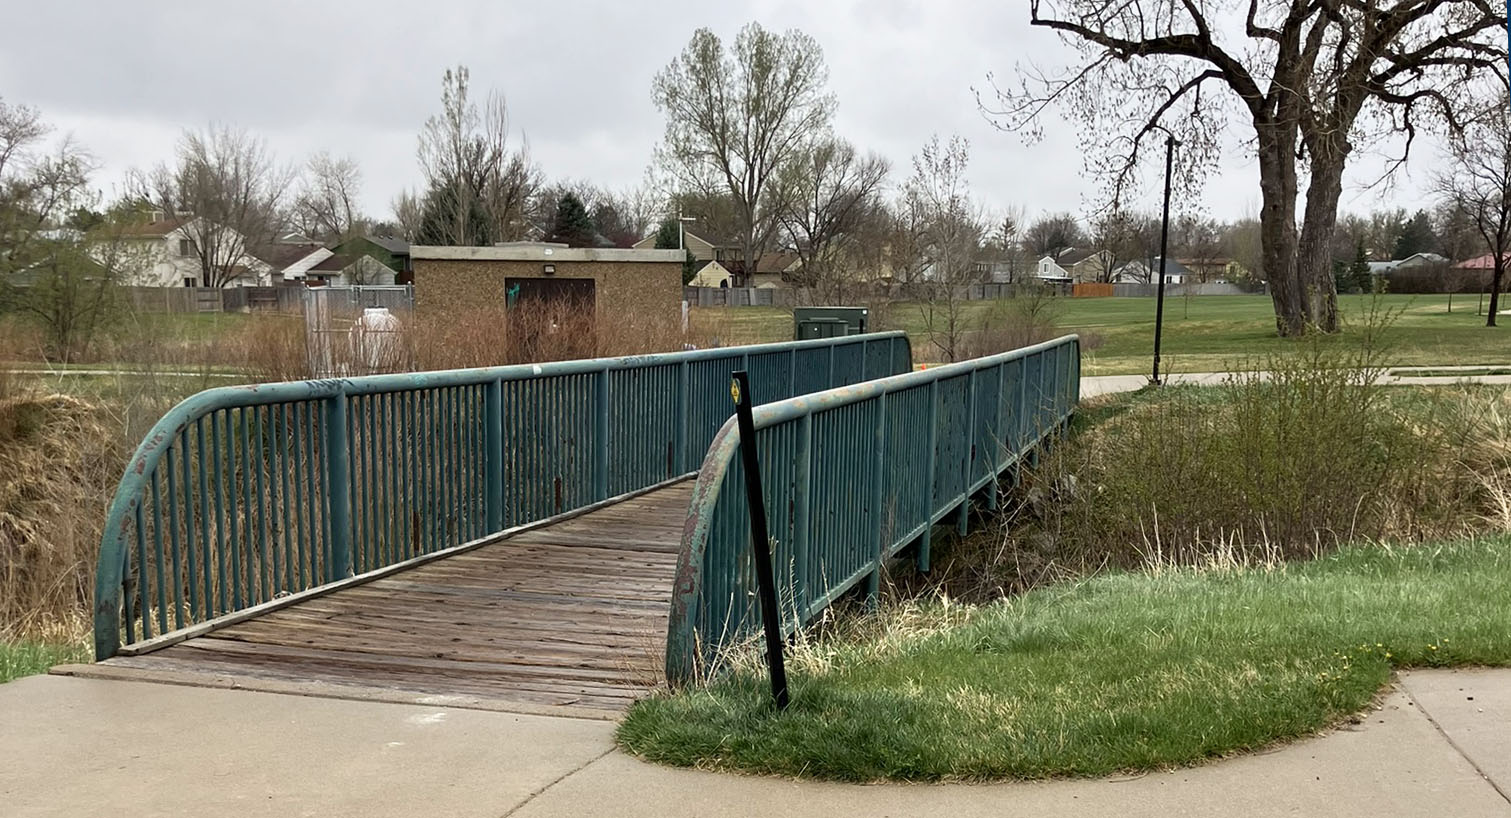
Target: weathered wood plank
<point x="571" y="614"/>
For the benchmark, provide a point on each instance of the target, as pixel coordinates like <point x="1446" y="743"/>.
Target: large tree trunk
<point x="1496" y="280"/>
<point x="1314" y="252"/>
<point x="1277" y="227"/>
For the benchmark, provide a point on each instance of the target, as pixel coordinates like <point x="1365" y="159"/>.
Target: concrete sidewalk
<point x="1092" y="386"/>
<point x="1440" y="744"/>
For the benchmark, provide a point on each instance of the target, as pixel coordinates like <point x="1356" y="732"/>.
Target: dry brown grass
<point x="60" y="458"/>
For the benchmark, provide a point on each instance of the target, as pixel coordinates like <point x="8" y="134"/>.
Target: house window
<point x="189" y="282"/>
<point x="184" y="249"/>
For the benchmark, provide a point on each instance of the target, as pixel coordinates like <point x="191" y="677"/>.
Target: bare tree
<point x="1311" y="79"/>
<point x="59" y="269"/>
<point x="948" y="236"/>
<point x="479" y="188"/>
<point x="1122" y="236"/>
<point x="227" y="191"/>
<point x="1195" y="238"/>
<point x="1005" y="241"/>
<point x="735" y="119"/>
<point x="827" y="194"/>
<point x="1479" y="181"/>
<point x="326" y="207"/>
<point x="408" y="215"/>
<point x="1053" y="234"/>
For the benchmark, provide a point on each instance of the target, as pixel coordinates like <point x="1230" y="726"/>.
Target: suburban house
<point x="1072" y="266"/>
<point x="348" y="271"/>
<point x="731" y="271"/>
<point x="1214" y="269"/>
<point x="164" y="254"/>
<point x="291" y="261"/>
<point x="390" y="252"/>
<point x="1142" y="272"/>
<point x="1415" y="260"/>
<point x="1483" y="263"/>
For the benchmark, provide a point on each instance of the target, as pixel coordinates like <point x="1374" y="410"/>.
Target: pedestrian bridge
<point x="554" y="536"/>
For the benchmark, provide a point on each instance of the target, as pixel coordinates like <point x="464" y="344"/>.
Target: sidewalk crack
<point x="1416" y="702"/>
<point x="564" y="776"/>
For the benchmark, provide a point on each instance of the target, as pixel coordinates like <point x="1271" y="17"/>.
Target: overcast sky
<point x="359" y="79"/>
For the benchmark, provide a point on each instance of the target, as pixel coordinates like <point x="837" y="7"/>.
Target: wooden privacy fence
<point x="851" y="477"/>
<point x="242" y="495"/>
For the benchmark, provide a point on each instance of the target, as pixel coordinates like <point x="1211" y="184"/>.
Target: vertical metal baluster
<point x="237" y="464"/>
<point x="336" y="483"/>
<point x="297" y="570"/>
<point x="223" y="562"/>
<point x="283" y="456"/>
<point x="925" y="539"/>
<point x="173" y="538"/>
<point x="318" y="461"/>
<point x="264" y="505"/>
<point x="143" y="603"/>
<point x="191" y="548"/>
<point x="157" y="545"/>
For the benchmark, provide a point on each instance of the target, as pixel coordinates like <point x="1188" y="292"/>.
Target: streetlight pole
<point x="1164" y="251"/>
<point x="682" y="226"/>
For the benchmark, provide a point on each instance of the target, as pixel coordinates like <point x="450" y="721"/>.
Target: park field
<point x="1201" y="333"/>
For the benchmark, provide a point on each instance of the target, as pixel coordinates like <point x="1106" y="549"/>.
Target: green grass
<point x="1201" y="334"/>
<point x="1120" y="672"/>
<point x="19" y="659"/>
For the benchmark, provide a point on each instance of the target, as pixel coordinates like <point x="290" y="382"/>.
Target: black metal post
<point x="1164" y="250"/>
<point x="739" y="389"/>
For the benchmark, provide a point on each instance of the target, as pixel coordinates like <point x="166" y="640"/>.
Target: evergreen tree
<point x="1360" y="269"/>
<point x="572" y="225"/>
<point x="1416" y="236"/>
<point x="667" y="237"/>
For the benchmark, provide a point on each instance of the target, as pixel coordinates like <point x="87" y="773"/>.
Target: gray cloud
<point x="359" y="80"/>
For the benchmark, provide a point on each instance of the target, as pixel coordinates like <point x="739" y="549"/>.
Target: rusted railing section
<point x="244" y="495"/>
<point x="852" y="476"/>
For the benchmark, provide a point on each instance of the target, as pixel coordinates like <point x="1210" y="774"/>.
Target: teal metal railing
<point x="243" y="495"/>
<point x="851" y="477"/>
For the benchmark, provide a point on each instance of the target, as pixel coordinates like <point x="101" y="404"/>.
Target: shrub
<point x="1027" y="318"/>
<point x="1308" y="452"/>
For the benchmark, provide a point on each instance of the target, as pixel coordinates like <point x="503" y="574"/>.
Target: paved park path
<point x="1438" y="744"/>
<point x="1092" y="386"/>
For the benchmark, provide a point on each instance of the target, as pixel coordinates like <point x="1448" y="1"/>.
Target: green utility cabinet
<point x="828" y="322"/>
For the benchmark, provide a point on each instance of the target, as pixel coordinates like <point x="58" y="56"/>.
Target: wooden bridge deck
<point x="570" y="615"/>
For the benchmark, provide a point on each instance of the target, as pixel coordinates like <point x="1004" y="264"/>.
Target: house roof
<point x="1074" y="256"/>
<point x="776" y="262"/>
<point x="280" y="256"/>
<point x="398" y="247"/>
<point x="334" y="265"/>
<point x="1485" y="262"/>
<point x="159" y="228"/>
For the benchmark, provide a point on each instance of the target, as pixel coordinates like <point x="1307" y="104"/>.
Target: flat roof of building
<point x="543" y="253"/>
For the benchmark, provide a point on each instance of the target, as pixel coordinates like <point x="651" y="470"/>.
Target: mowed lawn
<point x="1128" y="671"/>
<point x="1201" y="334"/>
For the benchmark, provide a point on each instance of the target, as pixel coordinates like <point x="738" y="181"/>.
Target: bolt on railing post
<point x="493" y="455"/>
<point x="601" y="437"/>
<point x="338" y="481"/>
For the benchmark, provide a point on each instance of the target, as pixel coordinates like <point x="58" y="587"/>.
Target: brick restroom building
<point x="537" y="278"/>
